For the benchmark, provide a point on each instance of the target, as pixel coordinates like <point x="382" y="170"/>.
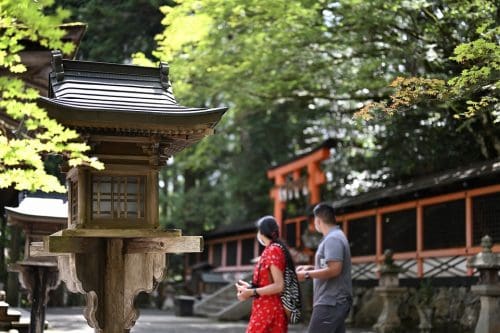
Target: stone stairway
<point x="223" y="305"/>
<point x="9" y="318"/>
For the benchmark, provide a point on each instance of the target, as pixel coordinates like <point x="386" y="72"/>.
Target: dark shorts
<point x="328" y="318"/>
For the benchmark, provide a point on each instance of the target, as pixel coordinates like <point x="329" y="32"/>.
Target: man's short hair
<point x="325" y="212"/>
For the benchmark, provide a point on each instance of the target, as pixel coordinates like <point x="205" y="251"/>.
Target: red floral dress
<point x="268" y="315"/>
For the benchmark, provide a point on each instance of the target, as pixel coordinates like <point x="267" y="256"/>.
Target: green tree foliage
<point x="26" y="132"/>
<point x="294" y="73"/>
<point x="470" y="93"/>
<point x="116" y="29"/>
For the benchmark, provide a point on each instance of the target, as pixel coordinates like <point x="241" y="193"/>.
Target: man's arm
<point x="333" y="269"/>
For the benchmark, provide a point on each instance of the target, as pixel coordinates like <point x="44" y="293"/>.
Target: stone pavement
<point x="70" y="320"/>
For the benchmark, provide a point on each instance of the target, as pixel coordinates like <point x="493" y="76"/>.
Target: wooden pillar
<point x="114" y="287"/>
<point x="153" y="201"/>
<point x="420" y="241"/>
<point x="314" y="173"/>
<point x="314" y="179"/>
<point x="345" y="227"/>
<point x="223" y="254"/>
<point x="12" y="279"/>
<point x="279" y="206"/>
<point x="37" y="319"/>
<point x="469" y="237"/>
<point x="378" y="243"/>
<point x="238" y="252"/>
<point x="255" y="248"/>
<point x="44" y="280"/>
<point x="3" y="243"/>
<point x="210" y="249"/>
<point x="38" y="278"/>
<point x="83" y="191"/>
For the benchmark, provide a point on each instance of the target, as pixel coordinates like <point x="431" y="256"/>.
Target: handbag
<point x="290" y="296"/>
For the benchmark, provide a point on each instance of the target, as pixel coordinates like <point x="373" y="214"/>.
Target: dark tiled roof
<point x="118" y="95"/>
<point x="475" y="175"/>
<point x="232" y="229"/>
<point x="452" y="180"/>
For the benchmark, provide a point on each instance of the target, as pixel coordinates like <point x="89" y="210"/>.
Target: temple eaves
<point x="124" y="101"/>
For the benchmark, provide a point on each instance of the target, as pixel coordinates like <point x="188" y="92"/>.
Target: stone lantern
<point x="390" y="291"/>
<point x="488" y="265"/>
<point x="38" y="217"/>
<point x="112" y="248"/>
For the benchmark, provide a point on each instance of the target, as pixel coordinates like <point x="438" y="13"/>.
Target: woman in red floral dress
<point x="268" y="314"/>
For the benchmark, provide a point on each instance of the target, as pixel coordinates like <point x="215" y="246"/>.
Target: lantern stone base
<point x="110" y="272"/>
<point x="388" y="321"/>
<point x="489" y="320"/>
<point x="38" y="278"/>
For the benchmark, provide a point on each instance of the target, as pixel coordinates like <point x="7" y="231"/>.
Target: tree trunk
<point x="3" y="238"/>
<point x="12" y="280"/>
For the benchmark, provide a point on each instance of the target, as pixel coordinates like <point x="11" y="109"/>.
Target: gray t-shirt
<point x="333" y="247"/>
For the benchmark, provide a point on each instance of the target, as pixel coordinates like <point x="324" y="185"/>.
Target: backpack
<point x="291" y="296"/>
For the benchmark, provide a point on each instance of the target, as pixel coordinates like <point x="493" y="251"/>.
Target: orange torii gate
<point x="289" y="175"/>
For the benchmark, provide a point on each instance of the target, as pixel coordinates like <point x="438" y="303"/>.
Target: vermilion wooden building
<point x="432" y="224"/>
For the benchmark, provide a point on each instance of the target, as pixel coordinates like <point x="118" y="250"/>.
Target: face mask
<point x="260" y="240"/>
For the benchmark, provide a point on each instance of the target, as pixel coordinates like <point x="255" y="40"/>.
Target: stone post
<point x="38" y="278"/>
<point x="488" y="289"/>
<point x="389" y="290"/>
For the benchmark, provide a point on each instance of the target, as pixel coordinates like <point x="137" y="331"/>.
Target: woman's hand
<point x="243" y="290"/>
<point x="301" y="271"/>
<point x="304" y="268"/>
<point x="244" y="283"/>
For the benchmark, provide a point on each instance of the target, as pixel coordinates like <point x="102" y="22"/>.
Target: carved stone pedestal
<point x="389" y="290"/>
<point x="489" y="316"/>
<point x="111" y="270"/>
<point x="425" y="319"/>
<point x="389" y="321"/>
<point x="38" y="278"/>
<point x="488" y="265"/>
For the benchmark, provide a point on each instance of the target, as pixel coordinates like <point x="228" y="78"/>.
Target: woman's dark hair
<point x="268" y="227"/>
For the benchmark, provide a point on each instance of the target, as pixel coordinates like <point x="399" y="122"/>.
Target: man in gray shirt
<point x="331" y="275"/>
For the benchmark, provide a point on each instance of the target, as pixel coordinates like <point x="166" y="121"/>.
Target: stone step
<point x="210" y="308"/>
<point x="215" y="308"/>
<point x="23" y="327"/>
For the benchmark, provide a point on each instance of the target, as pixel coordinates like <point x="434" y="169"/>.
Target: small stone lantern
<point x="112" y="248"/>
<point x="390" y="291"/>
<point x="488" y="265"/>
<point x="38" y="217"/>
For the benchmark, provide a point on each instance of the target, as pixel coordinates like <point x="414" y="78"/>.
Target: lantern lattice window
<point x="118" y="197"/>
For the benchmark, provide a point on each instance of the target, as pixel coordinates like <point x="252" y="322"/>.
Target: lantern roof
<point x="35" y="207"/>
<point x="97" y="98"/>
